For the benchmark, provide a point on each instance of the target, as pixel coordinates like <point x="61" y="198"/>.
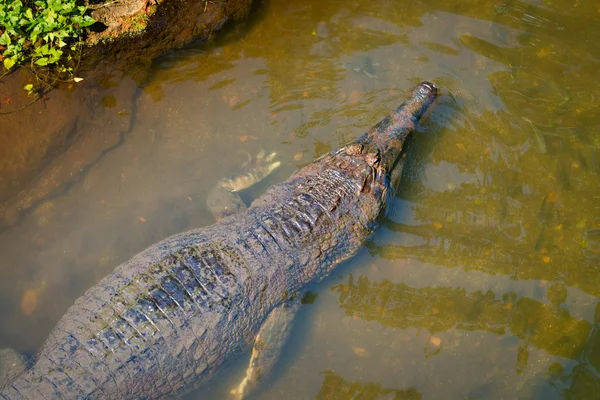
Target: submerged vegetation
<point x="41" y="33"/>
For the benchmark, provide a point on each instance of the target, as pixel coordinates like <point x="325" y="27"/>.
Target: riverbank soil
<point x="146" y="29"/>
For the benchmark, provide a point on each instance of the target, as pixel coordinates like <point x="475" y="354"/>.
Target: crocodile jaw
<point x="387" y="137"/>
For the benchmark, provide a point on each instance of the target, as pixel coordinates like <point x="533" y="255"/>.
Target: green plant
<point x="38" y="32"/>
<point x="140" y="22"/>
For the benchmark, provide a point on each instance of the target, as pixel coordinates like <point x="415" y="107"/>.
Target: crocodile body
<point x="162" y="323"/>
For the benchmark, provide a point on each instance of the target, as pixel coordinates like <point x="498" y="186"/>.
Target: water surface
<point x="483" y="282"/>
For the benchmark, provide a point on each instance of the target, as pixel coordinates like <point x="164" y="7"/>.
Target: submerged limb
<point x="223" y="200"/>
<point x="11" y="365"/>
<point x="254" y="172"/>
<point x="267" y="348"/>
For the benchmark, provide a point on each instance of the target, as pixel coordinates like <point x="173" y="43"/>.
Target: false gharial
<point x="161" y="324"/>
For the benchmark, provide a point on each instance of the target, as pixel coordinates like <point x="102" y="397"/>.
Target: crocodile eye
<point x="373" y="159"/>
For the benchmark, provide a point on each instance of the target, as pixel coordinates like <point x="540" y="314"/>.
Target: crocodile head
<point x="387" y="138"/>
<point x="355" y="183"/>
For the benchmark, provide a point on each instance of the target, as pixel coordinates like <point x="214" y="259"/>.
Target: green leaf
<point x="87" y="21"/>
<point x="29" y="14"/>
<point x="5" y="39"/>
<point x="33" y="36"/>
<point x="28" y="87"/>
<point x="49" y="37"/>
<point x="8" y="63"/>
<point x="42" y="61"/>
<point x="42" y="50"/>
<point x="55" y="55"/>
<point x="10" y="50"/>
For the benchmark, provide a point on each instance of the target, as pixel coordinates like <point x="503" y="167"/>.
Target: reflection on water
<point x="336" y="387"/>
<point x="442" y="309"/>
<point x="482" y="283"/>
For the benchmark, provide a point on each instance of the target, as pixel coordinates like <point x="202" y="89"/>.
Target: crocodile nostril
<point x="431" y="86"/>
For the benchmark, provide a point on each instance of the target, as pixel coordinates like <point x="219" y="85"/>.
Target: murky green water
<point x="483" y="282"/>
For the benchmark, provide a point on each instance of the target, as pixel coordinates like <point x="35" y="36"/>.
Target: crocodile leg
<point x="11" y="365"/>
<point x="224" y="200"/>
<point x="267" y="347"/>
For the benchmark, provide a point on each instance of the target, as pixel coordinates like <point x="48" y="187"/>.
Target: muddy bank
<point x="91" y="117"/>
<point x="146" y="31"/>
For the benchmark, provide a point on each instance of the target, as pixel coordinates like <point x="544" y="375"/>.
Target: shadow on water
<point x="482" y="282"/>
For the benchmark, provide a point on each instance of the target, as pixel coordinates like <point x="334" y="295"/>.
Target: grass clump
<point x="38" y="32"/>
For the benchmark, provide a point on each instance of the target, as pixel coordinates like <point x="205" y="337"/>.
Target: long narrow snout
<point x="389" y="135"/>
